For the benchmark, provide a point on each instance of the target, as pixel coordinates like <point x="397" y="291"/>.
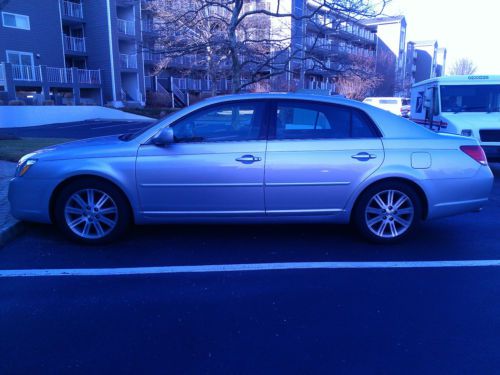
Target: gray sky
<point x="466" y="28"/>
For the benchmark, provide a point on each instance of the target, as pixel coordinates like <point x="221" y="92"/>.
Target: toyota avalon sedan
<point x="256" y="158"/>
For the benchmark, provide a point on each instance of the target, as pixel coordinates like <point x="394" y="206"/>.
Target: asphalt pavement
<point x="432" y="319"/>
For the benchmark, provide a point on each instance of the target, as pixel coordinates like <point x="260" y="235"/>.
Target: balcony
<point x="52" y="75"/>
<point x="126" y="27"/>
<point x="128" y="61"/>
<point x="59" y="75"/>
<point x="89" y="77"/>
<point x="71" y="9"/>
<point x="31" y="73"/>
<point x="74" y="44"/>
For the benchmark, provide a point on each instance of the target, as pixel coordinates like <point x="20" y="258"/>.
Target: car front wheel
<point x="92" y="211"/>
<point x="388" y="212"/>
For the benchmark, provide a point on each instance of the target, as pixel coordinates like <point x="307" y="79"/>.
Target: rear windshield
<point x="388" y="101"/>
<point x="405" y="101"/>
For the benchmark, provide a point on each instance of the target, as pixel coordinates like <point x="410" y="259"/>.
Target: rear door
<point x="316" y="156"/>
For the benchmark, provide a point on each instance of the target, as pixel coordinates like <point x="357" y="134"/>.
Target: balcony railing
<point x="26" y="73"/>
<point x="147" y="25"/>
<point x="126" y="27"/>
<point x="149" y="56"/>
<point x="74" y="44"/>
<point x="91" y="77"/>
<point x="59" y="75"/>
<point x="128" y="61"/>
<point x="72" y="9"/>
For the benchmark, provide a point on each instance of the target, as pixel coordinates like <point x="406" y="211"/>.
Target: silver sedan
<point x="256" y="158"/>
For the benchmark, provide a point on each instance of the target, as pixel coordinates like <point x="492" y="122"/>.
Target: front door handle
<point x="248" y="159"/>
<point x="363" y="156"/>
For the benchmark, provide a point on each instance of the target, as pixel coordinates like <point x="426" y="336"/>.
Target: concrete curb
<point x="11" y="231"/>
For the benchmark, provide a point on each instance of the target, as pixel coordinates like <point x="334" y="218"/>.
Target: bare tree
<point x="248" y="41"/>
<point x="356" y="85"/>
<point x="463" y="66"/>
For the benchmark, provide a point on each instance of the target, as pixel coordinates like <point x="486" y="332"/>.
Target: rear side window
<point x="298" y="120"/>
<point x="388" y="101"/>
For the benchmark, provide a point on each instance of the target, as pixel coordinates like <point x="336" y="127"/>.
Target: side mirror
<point x="164" y="137"/>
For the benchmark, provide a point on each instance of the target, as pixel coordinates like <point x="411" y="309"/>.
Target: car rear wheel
<point x="388" y="212"/>
<point x="92" y="211"/>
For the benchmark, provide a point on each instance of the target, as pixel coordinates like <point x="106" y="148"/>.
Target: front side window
<point x="320" y="121"/>
<point x="240" y="121"/>
<point x="17" y="21"/>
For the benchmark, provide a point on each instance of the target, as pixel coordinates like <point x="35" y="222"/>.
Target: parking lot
<point x="352" y="306"/>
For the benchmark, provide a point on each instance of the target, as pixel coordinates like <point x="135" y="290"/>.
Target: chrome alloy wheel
<point x="91" y="213"/>
<point x="389" y="213"/>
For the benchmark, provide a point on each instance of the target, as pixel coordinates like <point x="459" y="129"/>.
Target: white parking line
<point x="246" y="268"/>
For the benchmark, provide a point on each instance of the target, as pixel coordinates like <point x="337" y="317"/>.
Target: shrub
<point x="16" y="102"/>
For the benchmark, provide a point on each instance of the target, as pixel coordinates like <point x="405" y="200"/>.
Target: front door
<point x="317" y="156"/>
<point x="215" y="166"/>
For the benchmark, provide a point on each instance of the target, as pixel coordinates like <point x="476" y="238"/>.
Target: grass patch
<point x="13" y="149"/>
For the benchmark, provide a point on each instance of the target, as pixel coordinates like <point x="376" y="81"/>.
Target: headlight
<point x="23" y="166"/>
<point x="467" y="133"/>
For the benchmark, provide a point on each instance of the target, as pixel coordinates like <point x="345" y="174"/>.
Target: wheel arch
<point x="418" y="189"/>
<point x="71" y="179"/>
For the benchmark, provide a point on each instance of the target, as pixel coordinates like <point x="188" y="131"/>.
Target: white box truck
<point x="464" y="105"/>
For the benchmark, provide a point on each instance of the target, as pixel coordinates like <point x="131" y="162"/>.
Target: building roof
<point x="419" y="43"/>
<point x="383" y="20"/>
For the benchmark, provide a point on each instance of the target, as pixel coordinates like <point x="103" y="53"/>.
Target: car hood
<point x="100" y="147"/>
<point x="473" y="120"/>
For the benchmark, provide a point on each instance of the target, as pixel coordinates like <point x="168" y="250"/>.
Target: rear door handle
<point x="248" y="159"/>
<point x="363" y="156"/>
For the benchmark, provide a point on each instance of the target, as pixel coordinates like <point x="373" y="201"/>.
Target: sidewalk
<point x="9" y="227"/>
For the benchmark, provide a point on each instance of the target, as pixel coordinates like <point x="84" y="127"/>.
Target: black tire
<point x="360" y="216"/>
<point x="122" y="218"/>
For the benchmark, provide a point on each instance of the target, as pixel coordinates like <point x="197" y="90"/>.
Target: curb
<point x="10" y="232"/>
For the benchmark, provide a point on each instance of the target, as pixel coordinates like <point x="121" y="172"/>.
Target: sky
<point x="465" y="28"/>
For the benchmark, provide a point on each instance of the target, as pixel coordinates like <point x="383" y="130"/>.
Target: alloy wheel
<point x="91" y="213"/>
<point x="389" y="214"/>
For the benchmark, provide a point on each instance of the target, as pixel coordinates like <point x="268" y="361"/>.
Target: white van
<point x="398" y="106"/>
<point x="465" y="105"/>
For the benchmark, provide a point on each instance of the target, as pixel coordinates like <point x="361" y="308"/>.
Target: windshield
<point x="470" y="98"/>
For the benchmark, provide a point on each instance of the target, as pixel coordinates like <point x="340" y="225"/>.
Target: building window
<point x="16" y="21"/>
<point x="20" y="58"/>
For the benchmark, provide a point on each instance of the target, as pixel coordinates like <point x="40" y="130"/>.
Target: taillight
<point x="476" y="153"/>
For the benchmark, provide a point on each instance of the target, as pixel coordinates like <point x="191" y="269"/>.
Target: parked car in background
<point x="398" y="106"/>
<point x="256" y="158"/>
<point x="465" y="105"/>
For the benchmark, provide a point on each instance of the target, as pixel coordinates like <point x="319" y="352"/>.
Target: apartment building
<point x="72" y="51"/>
<point x="429" y="60"/>
<point x="391" y="45"/>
